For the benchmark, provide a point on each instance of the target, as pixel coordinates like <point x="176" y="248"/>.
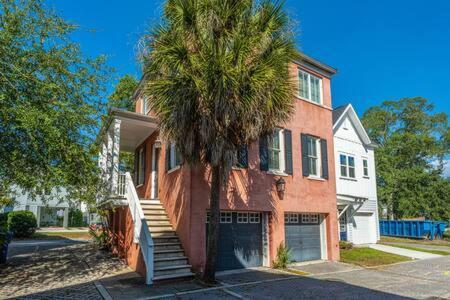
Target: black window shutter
<point x="288" y="151"/>
<point x="167" y="157"/>
<point x="263" y="153"/>
<point x="242" y="157"/>
<point x="304" y="145"/>
<point x="324" y="154"/>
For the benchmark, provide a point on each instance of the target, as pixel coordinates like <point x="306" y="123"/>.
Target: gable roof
<point x="339" y="114"/>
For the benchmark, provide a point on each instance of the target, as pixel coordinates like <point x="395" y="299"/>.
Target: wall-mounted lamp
<point x="281" y="185"/>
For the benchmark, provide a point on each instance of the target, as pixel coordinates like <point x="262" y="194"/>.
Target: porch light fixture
<point x="281" y="185"/>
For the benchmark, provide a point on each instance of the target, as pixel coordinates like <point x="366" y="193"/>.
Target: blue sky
<point x="383" y="50"/>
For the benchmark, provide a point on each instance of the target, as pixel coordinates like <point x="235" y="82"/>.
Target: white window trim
<point x="347" y="166"/>
<point x="367" y="160"/>
<point x="309" y="98"/>
<point x="256" y="216"/>
<point x="282" y="163"/>
<point x="145" y="108"/>
<point x="319" y="160"/>
<point x="173" y="161"/>
<point x="242" y="217"/>
<point x="226" y="217"/>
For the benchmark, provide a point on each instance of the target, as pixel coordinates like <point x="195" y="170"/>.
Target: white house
<point x="355" y="178"/>
<point x="51" y="209"/>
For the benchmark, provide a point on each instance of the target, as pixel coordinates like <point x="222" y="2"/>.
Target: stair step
<point x="157" y="240"/>
<point x="163" y="234"/>
<point x="173" y="276"/>
<point x="149" y="201"/>
<point x="159" y="228"/>
<point x="157" y="223"/>
<point x="154" y="205"/>
<point x="152" y="216"/>
<point x="161" y="271"/>
<point x="168" y="253"/>
<point x="170" y="261"/>
<point x="167" y="246"/>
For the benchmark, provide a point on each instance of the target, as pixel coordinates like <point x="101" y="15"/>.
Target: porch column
<point x="66" y="218"/>
<point x="109" y="149"/>
<point x="115" y="156"/>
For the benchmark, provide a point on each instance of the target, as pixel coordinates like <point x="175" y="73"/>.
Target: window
<point x="241" y="157"/>
<point x="276" y="161"/>
<point x="173" y="157"/>
<point x="253" y="217"/>
<point x="208" y="217"/>
<point x="313" y="154"/>
<point x="310" y="87"/>
<point x="310" y="218"/>
<point x="365" y="168"/>
<point x="145" y="105"/>
<point x="293" y="218"/>
<point x="141" y="167"/>
<point x="286" y="218"/>
<point x="226" y="217"/>
<point x="242" y="217"/>
<point x="347" y="166"/>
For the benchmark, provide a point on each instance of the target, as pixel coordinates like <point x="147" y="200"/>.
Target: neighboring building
<point x="167" y="204"/>
<point x="51" y="209"/>
<point x="355" y="178"/>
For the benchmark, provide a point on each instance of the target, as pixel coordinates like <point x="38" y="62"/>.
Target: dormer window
<point x="310" y="87"/>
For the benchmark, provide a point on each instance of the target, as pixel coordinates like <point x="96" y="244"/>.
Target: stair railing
<point x="142" y="233"/>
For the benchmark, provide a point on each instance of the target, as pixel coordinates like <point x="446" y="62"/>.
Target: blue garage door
<point x="302" y="233"/>
<point x="240" y="241"/>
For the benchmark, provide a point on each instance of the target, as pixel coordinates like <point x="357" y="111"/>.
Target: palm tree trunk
<point x="213" y="231"/>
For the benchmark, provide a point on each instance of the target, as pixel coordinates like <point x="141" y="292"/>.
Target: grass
<point x="439" y="252"/>
<point x="368" y="257"/>
<point x="61" y="235"/>
<point x="436" y="242"/>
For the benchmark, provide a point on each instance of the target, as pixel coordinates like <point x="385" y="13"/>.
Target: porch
<point x="348" y="207"/>
<point x="124" y="133"/>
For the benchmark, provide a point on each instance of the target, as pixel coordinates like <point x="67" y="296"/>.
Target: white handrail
<point x="141" y="232"/>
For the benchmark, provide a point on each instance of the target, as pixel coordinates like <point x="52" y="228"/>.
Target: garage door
<point x="302" y="233"/>
<point x="240" y="241"/>
<point x="364" y="228"/>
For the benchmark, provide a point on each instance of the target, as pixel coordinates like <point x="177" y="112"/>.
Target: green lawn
<point x="439" y="252"/>
<point x="368" y="257"/>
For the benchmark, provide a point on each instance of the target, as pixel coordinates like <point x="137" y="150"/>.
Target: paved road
<point x="54" y="269"/>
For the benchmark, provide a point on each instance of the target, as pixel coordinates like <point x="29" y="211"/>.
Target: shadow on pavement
<point x="259" y="284"/>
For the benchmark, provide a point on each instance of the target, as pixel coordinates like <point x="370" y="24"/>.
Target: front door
<point x="155" y="159"/>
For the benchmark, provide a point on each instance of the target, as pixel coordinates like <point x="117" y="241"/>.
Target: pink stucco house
<point x="159" y="214"/>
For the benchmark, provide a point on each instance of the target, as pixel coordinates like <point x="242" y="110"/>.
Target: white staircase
<point x="169" y="261"/>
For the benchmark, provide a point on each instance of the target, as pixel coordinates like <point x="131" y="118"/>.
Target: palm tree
<point x="217" y="76"/>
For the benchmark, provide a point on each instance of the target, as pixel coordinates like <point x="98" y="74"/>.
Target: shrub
<point x="283" y="257"/>
<point x="447" y="235"/>
<point x="100" y="236"/>
<point x="3" y="221"/>
<point x="75" y="218"/>
<point x="22" y="223"/>
<point x="343" y="245"/>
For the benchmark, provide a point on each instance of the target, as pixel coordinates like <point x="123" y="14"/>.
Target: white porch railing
<point x="122" y="185"/>
<point x="141" y="232"/>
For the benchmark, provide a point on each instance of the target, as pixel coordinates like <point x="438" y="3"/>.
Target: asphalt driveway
<point x="74" y="270"/>
<point x="424" y="279"/>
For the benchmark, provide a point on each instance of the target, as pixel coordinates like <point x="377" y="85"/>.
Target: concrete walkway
<point x="403" y="252"/>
